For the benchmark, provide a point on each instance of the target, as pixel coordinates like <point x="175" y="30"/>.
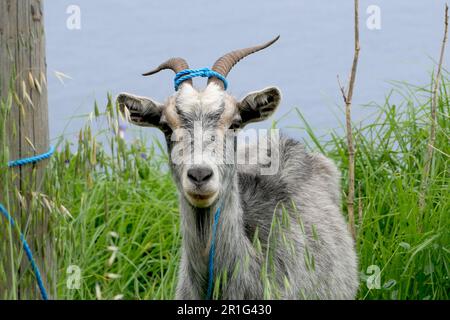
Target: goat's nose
<point x="199" y="174"/>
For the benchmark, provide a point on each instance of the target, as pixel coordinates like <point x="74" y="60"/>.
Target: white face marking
<point x="200" y="104"/>
<point x="208" y="100"/>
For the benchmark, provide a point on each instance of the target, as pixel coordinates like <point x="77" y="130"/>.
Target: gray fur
<point x="312" y="182"/>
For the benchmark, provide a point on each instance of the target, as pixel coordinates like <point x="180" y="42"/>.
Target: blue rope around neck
<point x="187" y="74"/>
<point x="211" y="255"/>
<point x="26" y="247"/>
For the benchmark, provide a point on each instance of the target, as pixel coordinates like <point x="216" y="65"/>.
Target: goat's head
<point x="199" y="126"/>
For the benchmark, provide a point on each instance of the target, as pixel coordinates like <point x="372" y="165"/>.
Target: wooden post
<point x="25" y="133"/>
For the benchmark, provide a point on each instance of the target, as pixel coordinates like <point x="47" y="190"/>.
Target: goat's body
<point x="306" y="252"/>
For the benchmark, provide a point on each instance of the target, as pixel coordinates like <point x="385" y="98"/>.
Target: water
<point x="119" y="40"/>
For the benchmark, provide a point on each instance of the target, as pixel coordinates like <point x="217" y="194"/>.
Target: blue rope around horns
<point x="187" y="74"/>
<point x="5" y="213"/>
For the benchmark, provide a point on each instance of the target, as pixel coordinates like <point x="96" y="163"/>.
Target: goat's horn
<point x="175" y="64"/>
<point x="225" y="63"/>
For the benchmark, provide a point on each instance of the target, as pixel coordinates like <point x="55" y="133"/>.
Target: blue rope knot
<point x="5" y="213"/>
<point x="187" y="74"/>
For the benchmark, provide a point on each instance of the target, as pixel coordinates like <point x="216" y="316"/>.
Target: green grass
<point x="116" y="215"/>
<point x="409" y="247"/>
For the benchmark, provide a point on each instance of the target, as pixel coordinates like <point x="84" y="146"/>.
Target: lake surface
<point x="119" y="40"/>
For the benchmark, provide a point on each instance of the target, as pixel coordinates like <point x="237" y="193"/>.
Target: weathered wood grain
<point x="23" y="76"/>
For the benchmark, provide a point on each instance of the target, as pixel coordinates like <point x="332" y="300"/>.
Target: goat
<point x="311" y="255"/>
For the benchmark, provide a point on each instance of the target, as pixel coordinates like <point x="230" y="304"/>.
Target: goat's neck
<point x="232" y="244"/>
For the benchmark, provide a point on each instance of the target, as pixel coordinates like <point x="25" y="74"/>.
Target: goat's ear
<point x="259" y="105"/>
<point x="140" y="111"/>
